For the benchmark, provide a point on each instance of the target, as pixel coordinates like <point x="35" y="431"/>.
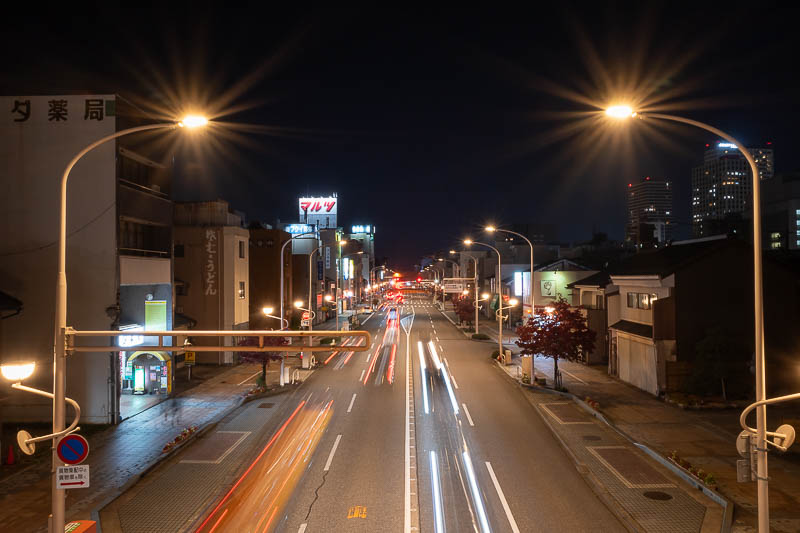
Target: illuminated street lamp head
<point x="513" y="301"/>
<point x="467" y="241"/>
<point x="328" y="298"/>
<point x="267" y="310"/>
<point x="491" y="229"/>
<point x="298" y="304"/>
<point x="342" y="242"/>
<point x="485" y="296"/>
<point x="16" y="372"/>
<point x="440" y="259"/>
<point x="452" y="251"/>
<point x="193" y="121"/>
<point x="465" y="292"/>
<point x="620" y="111"/>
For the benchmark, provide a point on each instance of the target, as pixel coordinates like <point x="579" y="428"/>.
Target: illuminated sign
<point x="318" y="206"/>
<point x="726" y="145"/>
<point x="351" y="268"/>
<point x="361" y="229"/>
<point x="126" y="341"/>
<point x="298" y="229"/>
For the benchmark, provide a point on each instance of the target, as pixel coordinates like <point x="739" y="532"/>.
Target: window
<point x="632" y="299"/>
<point x="179" y="250"/>
<point x="775" y="245"/>
<point x="241" y="290"/>
<point x="775" y="236"/>
<point x="641" y="300"/>
<point x="241" y="249"/>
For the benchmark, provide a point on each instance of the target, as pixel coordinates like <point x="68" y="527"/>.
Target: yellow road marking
<point x="357" y="511"/>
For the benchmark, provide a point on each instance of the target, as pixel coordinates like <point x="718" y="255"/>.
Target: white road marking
<point x="453" y="378"/>
<point x="302" y="528"/>
<point x="333" y="451"/>
<point x="351" y="403"/>
<point x="466" y="412"/>
<point x="362" y="374"/>
<point x="502" y="496"/>
<point x="248" y="379"/>
<point x="573" y="376"/>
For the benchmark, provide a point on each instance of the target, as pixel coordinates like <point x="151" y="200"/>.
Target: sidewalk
<point x="699" y="437"/>
<point x="120" y="454"/>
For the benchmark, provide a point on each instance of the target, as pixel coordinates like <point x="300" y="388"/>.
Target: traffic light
<point x="419" y="278"/>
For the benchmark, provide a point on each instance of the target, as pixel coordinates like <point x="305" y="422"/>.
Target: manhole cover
<point x="265" y="405"/>
<point x="657" y="495"/>
<point x="591" y="437"/>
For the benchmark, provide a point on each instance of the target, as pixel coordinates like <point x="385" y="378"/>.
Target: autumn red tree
<point x="262" y="358"/>
<point x="559" y="334"/>
<point x="465" y="309"/>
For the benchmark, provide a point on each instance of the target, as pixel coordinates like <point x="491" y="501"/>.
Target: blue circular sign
<point x="72" y="449"/>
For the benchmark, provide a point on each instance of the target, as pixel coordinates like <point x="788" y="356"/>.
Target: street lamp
<point x="500" y="308"/>
<point x="283" y="248"/>
<point x="59" y="342"/>
<point x="623" y="112"/>
<point x="470" y="242"/>
<point x="268" y="313"/>
<point x="492" y="229"/>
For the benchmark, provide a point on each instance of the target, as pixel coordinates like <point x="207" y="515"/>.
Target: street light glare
<point x="620" y="111"/>
<point x="328" y="297"/>
<point x="513" y="301"/>
<point x="18" y="371"/>
<point x="485" y="295"/>
<point x="342" y="243"/>
<point x="491" y="229"/>
<point x="267" y="310"/>
<point x="193" y="121"/>
<point x="467" y="241"/>
<point x="298" y="303"/>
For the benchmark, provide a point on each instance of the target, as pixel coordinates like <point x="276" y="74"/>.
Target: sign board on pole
<point x="306" y="315"/>
<point x="190" y="358"/>
<point x="453" y="287"/>
<point x="305" y="322"/>
<point x="72" y="477"/>
<point x="72" y="449"/>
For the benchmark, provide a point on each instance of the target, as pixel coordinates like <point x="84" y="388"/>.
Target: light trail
<point x="436" y="361"/>
<point x="476" y="494"/>
<point x="450" y="392"/>
<point x="422" y="374"/>
<point x="390" y="370"/>
<point x="437" y="496"/>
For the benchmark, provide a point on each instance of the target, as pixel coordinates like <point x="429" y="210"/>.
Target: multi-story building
<point x="265" y="276"/>
<point x="212" y="272"/>
<point x="118" y="249"/>
<point x="649" y="212"/>
<point x="722" y="187"/>
<point x="780" y="212"/>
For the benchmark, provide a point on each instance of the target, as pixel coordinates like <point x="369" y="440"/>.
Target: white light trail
<point x="476" y="494"/>
<point x="422" y="373"/>
<point x="450" y="392"/>
<point x="436" y="361"/>
<point x="437" y="497"/>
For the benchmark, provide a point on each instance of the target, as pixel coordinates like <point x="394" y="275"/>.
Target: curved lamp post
<point x="470" y="242"/>
<point x="492" y="229"/>
<point x="283" y="248"/>
<point x="475" y="271"/>
<point x="511" y="303"/>
<point x="59" y="344"/>
<point x="623" y="112"/>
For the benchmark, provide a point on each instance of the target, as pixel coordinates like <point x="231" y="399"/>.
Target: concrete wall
<point x="33" y="155"/>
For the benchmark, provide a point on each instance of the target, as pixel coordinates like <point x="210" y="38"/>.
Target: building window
<point x="241" y="290"/>
<point x="241" y="249"/>
<point x="179" y="250"/>
<point x="641" y="300"/>
<point x="775" y="245"/>
<point x="632" y="299"/>
<point x="775" y="236"/>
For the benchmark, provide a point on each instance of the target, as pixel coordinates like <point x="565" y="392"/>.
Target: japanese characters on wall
<point x="61" y="108"/>
<point x="211" y="266"/>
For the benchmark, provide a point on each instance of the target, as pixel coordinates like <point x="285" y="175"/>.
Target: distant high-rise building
<point x="722" y="187"/>
<point x="649" y="212"/>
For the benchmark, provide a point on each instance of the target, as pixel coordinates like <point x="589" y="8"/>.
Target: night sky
<point x="429" y="123"/>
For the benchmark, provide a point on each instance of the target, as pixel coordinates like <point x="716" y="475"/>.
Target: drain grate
<point x="265" y="405"/>
<point x="657" y="495"/>
<point x="591" y="437"/>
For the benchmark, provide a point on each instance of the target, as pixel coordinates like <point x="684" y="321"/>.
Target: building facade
<point x="780" y="212"/>
<point x="649" y="205"/>
<point x="212" y="256"/>
<point x="722" y="187"/>
<point x="118" y="250"/>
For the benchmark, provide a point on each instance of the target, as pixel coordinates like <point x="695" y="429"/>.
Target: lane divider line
<point x="333" y="451"/>
<point x="466" y="412"/>
<point x="506" y="508"/>
<point x="351" y="403"/>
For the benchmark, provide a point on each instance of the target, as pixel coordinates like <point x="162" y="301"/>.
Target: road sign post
<point x="72" y="477"/>
<point x="72" y="449"/>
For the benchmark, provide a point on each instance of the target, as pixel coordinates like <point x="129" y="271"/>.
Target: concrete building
<point x="119" y="255"/>
<point x="649" y="212"/>
<point x="212" y="255"/>
<point x="265" y="272"/>
<point x="722" y="187"/>
<point x="780" y="212"/>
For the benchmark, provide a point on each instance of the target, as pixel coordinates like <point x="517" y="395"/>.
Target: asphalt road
<point x="350" y="455"/>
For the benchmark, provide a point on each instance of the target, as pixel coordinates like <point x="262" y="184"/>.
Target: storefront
<point x="145" y="372"/>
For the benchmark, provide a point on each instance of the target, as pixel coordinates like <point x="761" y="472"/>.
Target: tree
<point x="559" y="334"/>
<point x="465" y="309"/>
<point x="262" y="358"/>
